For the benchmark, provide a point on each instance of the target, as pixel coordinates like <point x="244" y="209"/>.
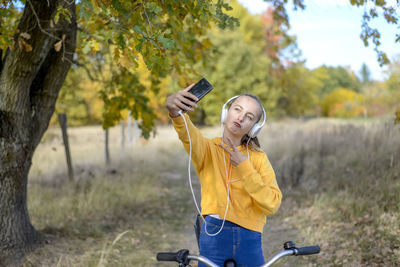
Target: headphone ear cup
<point x="255" y="130"/>
<point x="224" y="114"/>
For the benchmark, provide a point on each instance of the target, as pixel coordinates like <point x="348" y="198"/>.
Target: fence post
<point x="62" y="118"/>
<point x="106" y="148"/>
<point x="136" y="131"/>
<point x="130" y="128"/>
<point x="123" y="135"/>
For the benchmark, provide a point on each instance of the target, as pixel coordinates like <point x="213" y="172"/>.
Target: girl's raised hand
<point x="181" y="100"/>
<point x="235" y="155"/>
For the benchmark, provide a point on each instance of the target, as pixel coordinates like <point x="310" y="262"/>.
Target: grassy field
<point x="340" y="180"/>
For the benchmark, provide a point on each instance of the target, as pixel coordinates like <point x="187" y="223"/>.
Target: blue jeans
<point x="233" y="242"/>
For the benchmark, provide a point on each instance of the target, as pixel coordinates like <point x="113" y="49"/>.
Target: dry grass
<point x="340" y="182"/>
<point x="345" y="180"/>
<point x="117" y="215"/>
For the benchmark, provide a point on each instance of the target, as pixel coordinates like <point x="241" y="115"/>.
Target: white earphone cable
<point x="191" y="186"/>
<point x="247" y="148"/>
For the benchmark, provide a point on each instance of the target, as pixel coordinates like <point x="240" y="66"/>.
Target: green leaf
<point x="56" y="17"/>
<point x="88" y="4"/>
<point x="138" y="30"/>
<point x="98" y="37"/>
<point x="117" y="5"/>
<point x="83" y="13"/>
<point x="86" y="48"/>
<point x="166" y="42"/>
<point x="121" y="41"/>
<point x="154" y="8"/>
<point x="139" y="45"/>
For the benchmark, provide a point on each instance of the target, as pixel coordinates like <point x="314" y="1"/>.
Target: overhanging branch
<point x="38" y="21"/>
<point x="88" y="72"/>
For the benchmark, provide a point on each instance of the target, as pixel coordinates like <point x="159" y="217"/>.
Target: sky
<point x="328" y="33"/>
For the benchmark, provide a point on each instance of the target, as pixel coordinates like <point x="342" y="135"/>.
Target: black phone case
<point x="200" y="89"/>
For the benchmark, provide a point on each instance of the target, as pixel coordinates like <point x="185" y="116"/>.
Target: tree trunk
<point x="29" y="87"/>
<point x="16" y="232"/>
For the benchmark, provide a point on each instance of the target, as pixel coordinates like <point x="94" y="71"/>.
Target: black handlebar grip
<point x="308" y="250"/>
<point x="167" y="256"/>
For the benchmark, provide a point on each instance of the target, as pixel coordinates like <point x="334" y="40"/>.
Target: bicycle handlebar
<point x="167" y="256"/>
<point x="309" y="250"/>
<point x="183" y="257"/>
<point x="293" y="251"/>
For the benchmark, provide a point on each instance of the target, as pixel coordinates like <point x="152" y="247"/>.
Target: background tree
<point x="299" y="91"/>
<point x="392" y="85"/>
<point x="37" y="48"/>
<point x="79" y="99"/>
<point x="365" y="74"/>
<point x="342" y="102"/>
<point x="393" y="72"/>
<point x="236" y="68"/>
<point x="335" y="77"/>
<point x="239" y="63"/>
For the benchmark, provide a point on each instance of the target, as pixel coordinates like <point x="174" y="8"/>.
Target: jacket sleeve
<point x="261" y="184"/>
<point x="199" y="142"/>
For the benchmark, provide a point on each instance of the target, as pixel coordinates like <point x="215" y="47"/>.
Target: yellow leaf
<point x="57" y="46"/>
<point x="182" y="81"/>
<point x="63" y="37"/>
<point x="207" y="43"/>
<point x="24" y="45"/>
<point x="124" y="61"/>
<point x="116" y="54"/>
<point x="20" y="43"/>
<point x="95" y="46"/>
<point x="397" y="117"/>
<point x="26" y="35"/>
<point x="27" y="46"/>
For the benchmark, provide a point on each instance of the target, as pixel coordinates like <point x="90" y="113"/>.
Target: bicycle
<point x="183" y="257"/>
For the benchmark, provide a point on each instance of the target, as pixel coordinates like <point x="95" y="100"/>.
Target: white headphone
<point x="255" y="129"/>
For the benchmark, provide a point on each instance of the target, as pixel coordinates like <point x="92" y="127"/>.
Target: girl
<point x="238" y="185"/>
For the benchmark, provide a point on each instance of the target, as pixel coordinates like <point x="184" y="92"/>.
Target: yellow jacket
<point x="254" y="192"/>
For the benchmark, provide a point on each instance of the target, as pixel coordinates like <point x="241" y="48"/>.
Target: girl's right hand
<point x="177" y="101"/>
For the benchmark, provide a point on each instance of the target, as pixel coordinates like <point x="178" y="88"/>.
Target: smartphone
<point x="200" y="89"/>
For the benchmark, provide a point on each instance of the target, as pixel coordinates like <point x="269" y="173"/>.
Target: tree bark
<point x="29" y="87"/>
